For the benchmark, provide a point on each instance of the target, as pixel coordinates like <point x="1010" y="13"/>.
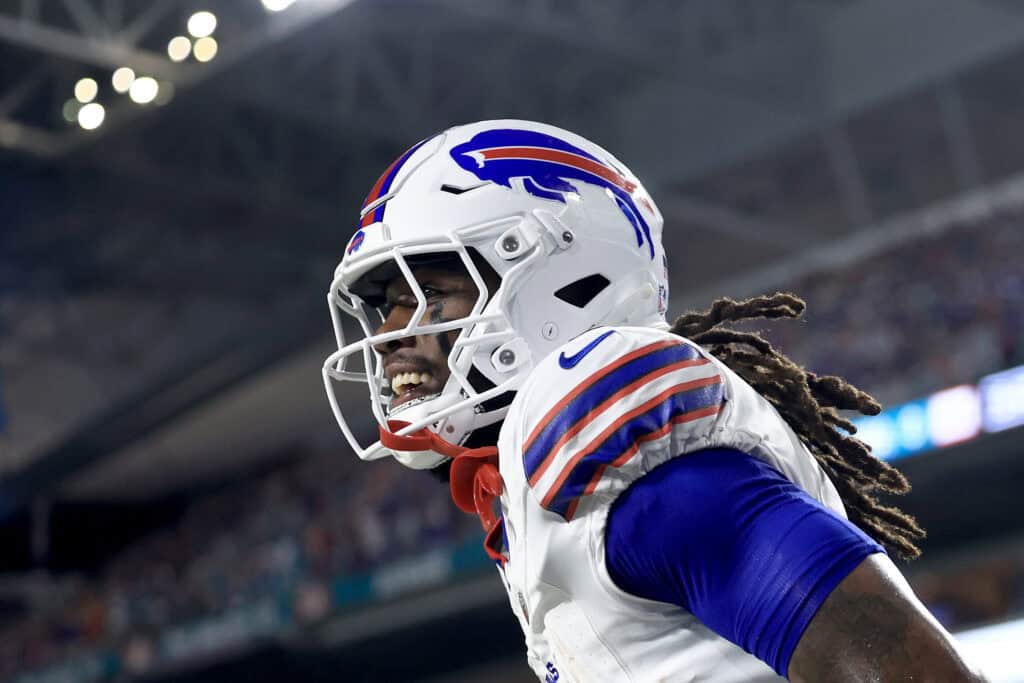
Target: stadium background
<point x="176" y="503"/>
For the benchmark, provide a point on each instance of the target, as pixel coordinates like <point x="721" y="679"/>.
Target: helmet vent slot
<point x="452" y="189"/>
<point x="582" y="291"/>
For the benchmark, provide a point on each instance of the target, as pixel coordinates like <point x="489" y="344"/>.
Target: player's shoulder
<point x="570" y="366"/>
<point x="594" y="402"/>
<point x="579" y="357"/>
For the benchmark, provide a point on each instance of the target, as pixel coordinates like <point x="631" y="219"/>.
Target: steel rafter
<point x="101" y="41"/>
<point x="96" y="49"/>
<point x="599" y="26"/>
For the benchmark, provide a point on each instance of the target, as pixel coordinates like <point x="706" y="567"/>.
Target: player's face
<point x="416" y="367"/>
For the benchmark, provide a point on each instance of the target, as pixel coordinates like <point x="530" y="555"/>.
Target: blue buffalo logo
<point x="356" y="242"/>
<point x="546" y="165"/>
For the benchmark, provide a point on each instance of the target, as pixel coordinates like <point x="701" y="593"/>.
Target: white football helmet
<point x="572" y="234"/>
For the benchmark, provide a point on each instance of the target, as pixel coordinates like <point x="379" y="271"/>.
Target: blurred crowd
<point x="926" y="315"/>
<point x="923" y="316"/>
<point x="982" y="588"/>
<point x="296" y="527"/>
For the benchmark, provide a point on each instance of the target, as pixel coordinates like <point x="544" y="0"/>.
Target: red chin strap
<point x="475" y="480"/>
<point x="475" y="483"/>
<point x="422" y="440"/>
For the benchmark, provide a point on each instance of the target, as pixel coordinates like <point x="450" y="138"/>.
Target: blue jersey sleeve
<point x="730" y="539"/>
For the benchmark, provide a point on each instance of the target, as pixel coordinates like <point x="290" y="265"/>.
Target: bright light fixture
<point x="143" y="90"/>
<point x="178" y="48"/>
<point x="91" y="115"/>
<point x="202" y="24"/>
<point x="277" y="5"/>
<point x="205" y="49"/>
<point x="86" y="89"/>
<point x="122" y="79"/>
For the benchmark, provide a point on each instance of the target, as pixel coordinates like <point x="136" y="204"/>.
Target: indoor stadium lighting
<point x="91" y="115"/>
<point x="86" y="89"/>
<point x="70" y="110"/>
<point x="143" y="90"/>
<point x="178" y="48"/>
<point x="202" y="24"/>
<point x="277" y="5"/>
<point x="205" y="49"/>
<point x="122" y="79"/>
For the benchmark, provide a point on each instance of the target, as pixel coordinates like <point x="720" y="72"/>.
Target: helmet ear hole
<point x="582" y="291"/>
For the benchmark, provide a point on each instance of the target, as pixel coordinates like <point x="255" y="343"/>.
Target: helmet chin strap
<point x="475" y="485"/>
<point x="475" y="480"/>
<point x="425" y="448"/>
<point x="421" y="450"/>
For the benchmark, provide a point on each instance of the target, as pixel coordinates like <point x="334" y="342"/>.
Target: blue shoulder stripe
<point x="591" y="393"/>
<point x="652" y="420"/>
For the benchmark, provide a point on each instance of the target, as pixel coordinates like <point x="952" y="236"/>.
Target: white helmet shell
<point x="571" y="232"/>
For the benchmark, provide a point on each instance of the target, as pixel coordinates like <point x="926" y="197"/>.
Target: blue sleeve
<point x="728" y="538"/>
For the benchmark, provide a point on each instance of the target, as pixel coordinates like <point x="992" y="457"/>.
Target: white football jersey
<point x="592" y="418"/>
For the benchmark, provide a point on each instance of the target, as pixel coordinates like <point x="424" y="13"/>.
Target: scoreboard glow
<point x="947" y="417"/>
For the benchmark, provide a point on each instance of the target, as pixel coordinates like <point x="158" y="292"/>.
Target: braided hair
<point x="809" y="403"/>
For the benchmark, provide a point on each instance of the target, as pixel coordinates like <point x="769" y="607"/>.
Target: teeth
<point x="404" y="381"/>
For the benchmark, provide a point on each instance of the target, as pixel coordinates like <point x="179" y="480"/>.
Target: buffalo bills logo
<point x="356" y="242"/>
<point x="546" y="164"/>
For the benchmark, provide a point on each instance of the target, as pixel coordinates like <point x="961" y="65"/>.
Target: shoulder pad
<point x="602" y="398"/>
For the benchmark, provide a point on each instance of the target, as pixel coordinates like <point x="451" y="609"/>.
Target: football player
<point x="664" y="503"/>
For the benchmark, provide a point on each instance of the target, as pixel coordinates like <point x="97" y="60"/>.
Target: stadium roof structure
<point x="155" y="264"/>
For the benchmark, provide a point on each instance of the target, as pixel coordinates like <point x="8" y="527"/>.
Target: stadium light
<point x="202" y="24"/>
<point x="277" y="5"/>
<point x="205" y="49"/>
<point x="178" y="48"/>
<point x="70" y="110"/>
<point x="143" y="90"/>
<point x="85" y="90"/>
<point x="90" y="116"/>
<point x="122" y="79"/>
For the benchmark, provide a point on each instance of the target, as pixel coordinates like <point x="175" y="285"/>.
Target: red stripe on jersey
<point x="585" y="384"/>
<point x="623" y="419"/>
<point x="600" y="408"/>
<point x="629" y="452"/>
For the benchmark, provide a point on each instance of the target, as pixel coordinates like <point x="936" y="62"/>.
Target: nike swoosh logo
<point x="568" y="362"/>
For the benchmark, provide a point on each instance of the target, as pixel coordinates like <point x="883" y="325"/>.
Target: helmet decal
<point x="383" y="184"/>
<point x="544" y="162"/>
<point x="356" y="242"/>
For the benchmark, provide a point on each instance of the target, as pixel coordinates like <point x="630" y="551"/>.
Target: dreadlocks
<point x="809" y="404"/>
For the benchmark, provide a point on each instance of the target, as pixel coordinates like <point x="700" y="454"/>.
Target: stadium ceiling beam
<point x="963" y="148"/>
<point x="1012" y="6"/>
<point x="36" y="141"/>
<point x="968" y="208"/>
<point x="598" y="26"/>
<point x="847" y="172"/>
<point x="98" y="50"/>
<point x="726" y="220"/>
<point x="19" y="92"/>
<point x="255" y="41"/>
<point x="110" y="47"/>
